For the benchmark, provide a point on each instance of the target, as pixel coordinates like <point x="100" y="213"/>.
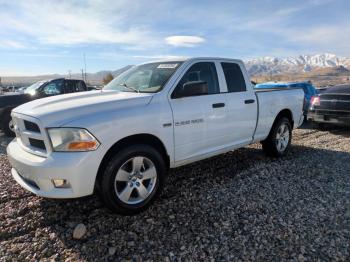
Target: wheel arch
<point x="285" y="113"/>
<point x="144" y="138"/>
<point x="5" y="111"/>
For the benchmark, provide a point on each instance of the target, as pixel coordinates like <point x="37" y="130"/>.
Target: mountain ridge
<point x="322" y="64"/>
<point x="295" y="64"/>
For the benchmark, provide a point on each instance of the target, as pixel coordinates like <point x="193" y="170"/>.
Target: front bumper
<point x="329" y="118"/>
<point x="35" y="173"/>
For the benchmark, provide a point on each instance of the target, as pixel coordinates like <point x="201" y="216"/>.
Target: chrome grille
<point x="30" y="135"/>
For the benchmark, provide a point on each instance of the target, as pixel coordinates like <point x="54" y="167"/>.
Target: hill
<point x="323" y="69"/>
<point x="92" y="78"/>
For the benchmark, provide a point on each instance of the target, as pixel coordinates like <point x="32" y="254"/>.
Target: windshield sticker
<point x="167" y="66"/>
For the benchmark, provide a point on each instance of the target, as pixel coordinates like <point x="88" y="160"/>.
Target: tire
<point x="124" y="187"/>
<point x="6" y="125"/>
<point x="277" y="143"/>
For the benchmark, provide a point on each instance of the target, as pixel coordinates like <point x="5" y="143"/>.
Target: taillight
<point x="315" y="101"/>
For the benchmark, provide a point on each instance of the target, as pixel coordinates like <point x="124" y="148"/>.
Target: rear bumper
<point x="35" y="173"/>
<point x="329" y="118"/>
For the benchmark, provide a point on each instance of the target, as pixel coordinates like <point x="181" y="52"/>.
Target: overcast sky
<point x="44" y="36"/>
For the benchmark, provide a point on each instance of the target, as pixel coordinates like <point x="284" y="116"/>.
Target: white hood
<point x="61" y="109"/>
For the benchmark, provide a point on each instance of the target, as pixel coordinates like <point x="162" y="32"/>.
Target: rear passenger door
<point x="241" y="104"/>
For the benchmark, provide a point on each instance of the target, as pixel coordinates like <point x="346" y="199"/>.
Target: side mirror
<point x="193" y="88"/>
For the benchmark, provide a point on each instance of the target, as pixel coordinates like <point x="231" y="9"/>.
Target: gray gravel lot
<point x="237" y="206"/>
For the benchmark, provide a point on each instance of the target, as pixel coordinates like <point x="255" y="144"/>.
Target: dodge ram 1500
<point x="122" y="140"/>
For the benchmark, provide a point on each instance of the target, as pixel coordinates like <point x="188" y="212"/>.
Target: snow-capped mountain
<point x="298" y="64"/>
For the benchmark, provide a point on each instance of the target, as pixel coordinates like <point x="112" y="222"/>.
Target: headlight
<point x="72" y="139"/>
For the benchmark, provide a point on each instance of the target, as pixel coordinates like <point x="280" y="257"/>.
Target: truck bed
<point x="271" y="102"/>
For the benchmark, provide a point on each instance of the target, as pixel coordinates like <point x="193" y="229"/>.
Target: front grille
<point x="333" y="112"/>
<point x="37" y="143"/>
<point x="334" y="102"/>
<point x="29" y="135"/>
<point x="337" y="97"/>
<point x="30" y="126"/>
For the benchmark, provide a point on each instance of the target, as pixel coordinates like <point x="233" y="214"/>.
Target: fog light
<point x="60" y="183"/>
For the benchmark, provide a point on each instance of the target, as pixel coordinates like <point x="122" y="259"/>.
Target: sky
<point x="41" y="37"/>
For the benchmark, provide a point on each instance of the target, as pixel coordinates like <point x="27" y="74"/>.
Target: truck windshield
<point x="146" y="78"/>
<point x="32" y="88"/>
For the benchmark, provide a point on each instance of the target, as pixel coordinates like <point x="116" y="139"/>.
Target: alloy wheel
<point x="135" y="180"/>
<point x="282" y="138"/>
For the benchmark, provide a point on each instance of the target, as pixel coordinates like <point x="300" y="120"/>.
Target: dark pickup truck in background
<point x="40" y="89"/>
<point x="332" y="106"/>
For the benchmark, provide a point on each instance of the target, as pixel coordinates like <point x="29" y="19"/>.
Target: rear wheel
<point x="278" y="141"/>
<point x="133" y="179"/>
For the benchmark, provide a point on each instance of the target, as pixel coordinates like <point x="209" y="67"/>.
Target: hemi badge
<point x="167" y="124"/>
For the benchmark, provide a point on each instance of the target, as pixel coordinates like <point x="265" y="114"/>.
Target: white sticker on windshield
<point x="167" y="66"/>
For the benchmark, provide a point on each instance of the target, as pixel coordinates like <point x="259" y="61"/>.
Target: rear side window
<point x="202" y="71"/>
<point x="73" y="86"/>
<point x="234" y="77"/>
<point x="80" y="86"/>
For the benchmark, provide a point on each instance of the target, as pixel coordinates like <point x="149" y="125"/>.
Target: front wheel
<point x="278" y="141"/>
<point x="133" y="179"/>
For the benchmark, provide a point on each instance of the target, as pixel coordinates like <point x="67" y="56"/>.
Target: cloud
<point x="69" y="23"/>
<point x="184" y="40"/>
<point x="323" y="37"/>
<point x="10" y="44"/>
<point x="160" y="57"/>
<point x="126" y="28"/>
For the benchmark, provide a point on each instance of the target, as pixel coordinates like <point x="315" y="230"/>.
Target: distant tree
<point x="107" y="78"/>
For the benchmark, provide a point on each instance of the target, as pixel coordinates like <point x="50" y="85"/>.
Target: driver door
<point x="199" y="121"/>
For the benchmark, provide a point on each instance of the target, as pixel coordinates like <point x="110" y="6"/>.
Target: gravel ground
<point x="237" y="206"/>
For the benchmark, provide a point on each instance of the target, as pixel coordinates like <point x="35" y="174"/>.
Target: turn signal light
<point x="82" y="145"/>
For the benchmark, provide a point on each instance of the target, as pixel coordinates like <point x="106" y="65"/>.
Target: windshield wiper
<point x="130" y="87"/>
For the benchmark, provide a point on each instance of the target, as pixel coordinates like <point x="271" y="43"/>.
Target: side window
<point x="234" y="77"/>
<point x="69" y="86"/>
<point x="72" y="86"/>
<point x="202" y="71"/>
<point x="54" y="88"/>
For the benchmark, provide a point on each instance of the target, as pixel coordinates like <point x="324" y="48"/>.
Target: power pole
<point x="69" y="74"/>
<point x="85" y="78"/>
<point x="82" y="74"/>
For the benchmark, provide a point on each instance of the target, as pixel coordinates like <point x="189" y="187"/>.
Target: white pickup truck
<point x="122" y="140"/>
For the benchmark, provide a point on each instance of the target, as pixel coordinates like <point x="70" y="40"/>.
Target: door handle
<point x="217" y="105"/>
<point x="249" y="101"/>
